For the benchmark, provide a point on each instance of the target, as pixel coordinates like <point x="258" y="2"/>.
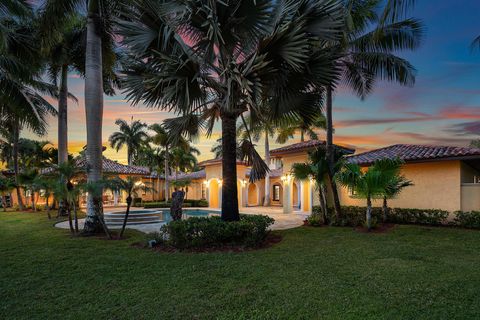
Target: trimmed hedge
<point x="202" y="232"/>
<point x="355" y="216"/>
<point x="469" y="219"/>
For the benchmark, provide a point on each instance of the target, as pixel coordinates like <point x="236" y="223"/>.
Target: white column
<point x="115" y="198"/>
<point x="301" y="196"/>
<point x="287" y="195"/>
<point x="310" y="196"/>
<point x="220" y="185"/>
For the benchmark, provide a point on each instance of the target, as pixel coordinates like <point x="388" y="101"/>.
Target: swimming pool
<point x="187" y="213"/>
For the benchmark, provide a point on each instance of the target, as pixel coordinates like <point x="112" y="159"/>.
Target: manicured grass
<point x="336" y="273"/>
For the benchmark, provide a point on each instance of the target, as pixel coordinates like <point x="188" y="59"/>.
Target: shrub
<point x="198" y="232"/>
<point x="467" y="219"/>
<point x="152" y="205"/>
<point x="355" y="216"/>
<point x="136" y="202"/>
<point x="418" y="216"/>
<point x="315" y="220"/>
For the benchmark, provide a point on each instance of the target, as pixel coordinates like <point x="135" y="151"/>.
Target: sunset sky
<point x="442" y="108"/>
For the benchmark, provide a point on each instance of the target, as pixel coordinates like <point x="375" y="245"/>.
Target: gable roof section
<point x="415" y="153"/>
<point x="305" y="146"/>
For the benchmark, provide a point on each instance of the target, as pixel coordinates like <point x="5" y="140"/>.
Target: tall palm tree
<point x="368" y="52"/>
<point x="132" y="135"/>
<point x="184" y="159"/>
<point x="99" y="52"/>
<point x="22" y="102"/>
<point x="163" y="138"/>
<point x="216" y="60"/>
<point x="288" y="130"/>
<point x="154" y="159"/>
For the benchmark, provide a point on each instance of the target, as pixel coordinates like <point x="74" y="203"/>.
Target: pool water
<point x="187" y="213"/>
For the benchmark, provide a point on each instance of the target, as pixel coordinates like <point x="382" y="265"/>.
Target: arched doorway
<point x="252" y="195"/>
<point x="213" y="194"/>
<point x="295" y="198"/>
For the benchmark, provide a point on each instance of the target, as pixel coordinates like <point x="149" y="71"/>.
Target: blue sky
<point x="442" y="108"/>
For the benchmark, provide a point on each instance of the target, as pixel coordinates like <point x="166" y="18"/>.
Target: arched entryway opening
<point x="213" y="188"/>
<point x="252" y="194"/>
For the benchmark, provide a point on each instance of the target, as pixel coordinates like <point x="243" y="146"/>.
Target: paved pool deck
<point x="282" y="220"/>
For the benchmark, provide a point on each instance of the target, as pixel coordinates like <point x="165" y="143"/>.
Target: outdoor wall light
<point x="243" y="182"/>
<point x="220" y="181"/>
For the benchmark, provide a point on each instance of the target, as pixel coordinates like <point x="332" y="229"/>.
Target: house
<point x="444" y="177"/>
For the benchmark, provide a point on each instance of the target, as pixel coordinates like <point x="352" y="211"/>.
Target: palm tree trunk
<point x="323" y="202"/>
<point x="385" y="210"/>
<point x="34" y="207"/>
<point x="16" y="138"/>
<point x="229" y="169"/>
<point x="330" y="155"/>
<point x="94" y="116"/>
<point x="4" y="203"/>
<point x="63" y="117"/>
<point x="266" y="201"/>
<point x="166" y="173"/>
<point x="369" y="213"/>
<point x="129" y="156"/>
<point x="302" y="135"/>
<point x="48" y="207"/>
<point x="125" y="220"/>
<point x="75" y="216"/>
<point x="70" y="223"/>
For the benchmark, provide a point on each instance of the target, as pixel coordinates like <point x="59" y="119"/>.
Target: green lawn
<point x="336" y="273"/>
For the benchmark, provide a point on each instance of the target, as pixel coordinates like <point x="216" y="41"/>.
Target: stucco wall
<point x="437" y="185"/>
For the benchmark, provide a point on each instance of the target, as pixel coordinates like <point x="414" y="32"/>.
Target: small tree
<point x="316" y="169"/>
<point x="28" y="180"/>
<point x="394" y="187"/>
<point x="47" y="185"/>
<point x="7" y="185"/>
<point x="131" y="185"/>
<point x="369" y="184"/>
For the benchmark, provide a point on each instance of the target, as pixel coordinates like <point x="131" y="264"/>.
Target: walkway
<point x="282" y="221"/>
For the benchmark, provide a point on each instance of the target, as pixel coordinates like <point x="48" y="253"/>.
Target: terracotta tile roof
<point x="110" y="166"/>
<point x="415" y="153"/>
<point x="189" y="176"/>
<point x="304" y="146"/>
<point x="275" y="173"/>
<point x="215" y="161"/>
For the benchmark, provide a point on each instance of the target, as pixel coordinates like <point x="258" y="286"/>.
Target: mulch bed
<point x="381" y="228"/>
<point x="271" y="240"/>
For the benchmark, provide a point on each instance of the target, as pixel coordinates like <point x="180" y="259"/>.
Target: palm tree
<point x="132" y="135"/>
<point x="22" y="104"/>
<point x="288" y="130"/>
<point x="372" y="183"/>
<point x="395" y="186"/>
<point x="238" y="54"/>
<point x="131" y="185"/>
<point x="316" y="169"/>
<point x="67" y="192"/>
<point x="184" y="159"/>
<point x="27" y="180"/>
<point x="154" y="159"/>
<point x="474" y="143"/>
<point x="368" y="53"/>
<point x="65" y="51"/>
<point x="164" y="139"/>
<point x="7" y="185"/>
<point x="47" y="185"/>
<point x="98" y="53"/>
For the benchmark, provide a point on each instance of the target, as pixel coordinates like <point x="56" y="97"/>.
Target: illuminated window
<point x="276" y="192"/>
